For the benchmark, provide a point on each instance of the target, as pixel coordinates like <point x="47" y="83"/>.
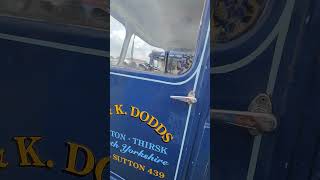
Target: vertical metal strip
<point x="282" y="35"/>
<point x="207" y="39"/>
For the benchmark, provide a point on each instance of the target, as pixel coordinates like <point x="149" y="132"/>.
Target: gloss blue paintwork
<point x="291" y="152"/>
<point x="51" y="92"/>
<point x="151" y="92"/>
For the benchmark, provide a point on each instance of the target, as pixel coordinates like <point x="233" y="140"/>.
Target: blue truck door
<point x="53" y="85"/>
<point x="249" y="80"/>
<point x="139" y="99"/>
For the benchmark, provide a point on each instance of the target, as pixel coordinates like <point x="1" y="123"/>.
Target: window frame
<point x="148" y="74"/>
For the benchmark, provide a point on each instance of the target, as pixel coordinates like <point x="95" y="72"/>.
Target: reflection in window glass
<point x="179" y="62"/>
<point x="139" y="55"/>
<point x="117" y="36"/>
<point x="92" y="13"/>
<point x="142" y="56"/>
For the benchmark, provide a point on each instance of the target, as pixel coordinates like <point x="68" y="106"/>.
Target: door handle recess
<point x="190" y="99"/>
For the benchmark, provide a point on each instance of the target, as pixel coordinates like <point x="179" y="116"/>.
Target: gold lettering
<point x="118" y="109"/>
<point x="26" y="152"/>
<point x="134" y="112"/>
<point x="101" y="165"/>
<point x="115" y="157"/>
<point x="3" y="164"/>
<point x="72" y="160"/>
<point x="156" y="122"/>
<point x="167" y="137"/>
<point x="163" y="128"/>
<point x="142" y="114"/>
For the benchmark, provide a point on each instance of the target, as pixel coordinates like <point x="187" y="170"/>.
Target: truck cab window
<point x="117" y="36"/>
<point x="143" y="56"/>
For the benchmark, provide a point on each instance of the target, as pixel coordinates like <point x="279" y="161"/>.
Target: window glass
<point x="142" y="56"/>
<point x="117" y="36"/>
<point x="179" y="62"/>
<point x="161" y="37"/>
<point x="91" y="13"/>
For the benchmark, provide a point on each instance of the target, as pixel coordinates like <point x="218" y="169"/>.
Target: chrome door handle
<point x="259" y="122"/>
<point x="258" y="119"/>
<point x="190" y="99"/>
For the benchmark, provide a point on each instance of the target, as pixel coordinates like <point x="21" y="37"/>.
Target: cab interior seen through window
<point x="142" y="56"/>
<point x="88" y="13"/>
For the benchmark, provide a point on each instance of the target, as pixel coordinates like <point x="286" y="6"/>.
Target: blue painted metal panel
<point x="290" y="151"/>
<point x="151" y="93"/>
<point x="51" y="92"/>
